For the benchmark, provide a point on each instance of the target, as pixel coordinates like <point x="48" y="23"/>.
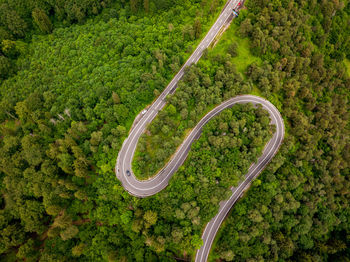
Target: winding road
<point x="152" y="186"/>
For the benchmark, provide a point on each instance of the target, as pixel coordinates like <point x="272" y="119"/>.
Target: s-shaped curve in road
<point x="161" y="180"/>
<point x="152" y="186"/>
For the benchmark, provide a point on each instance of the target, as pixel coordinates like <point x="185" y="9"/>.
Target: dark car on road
<point x="128" y="173"/>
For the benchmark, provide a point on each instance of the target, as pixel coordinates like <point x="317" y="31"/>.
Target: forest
<point x="300" y="210"/>
<point x="74" y="74"/>
<point x="203" y="87"/>
<point x="22" y="19"/>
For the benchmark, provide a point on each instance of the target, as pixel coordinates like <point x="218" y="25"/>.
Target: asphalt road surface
<point x="156" y="184"/>
<point x="152" y="186"/>
<point x="269" y="151"/>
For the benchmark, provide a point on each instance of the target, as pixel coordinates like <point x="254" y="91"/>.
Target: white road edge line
<point x="160" y="181"/>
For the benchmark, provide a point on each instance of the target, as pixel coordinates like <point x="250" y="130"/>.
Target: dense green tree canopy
<point x="300" y="211"/>
<point x="81" y="81"/>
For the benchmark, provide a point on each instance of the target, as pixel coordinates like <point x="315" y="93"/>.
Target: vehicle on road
<point x="161" y="180"/>
<point x="144" y="111"/>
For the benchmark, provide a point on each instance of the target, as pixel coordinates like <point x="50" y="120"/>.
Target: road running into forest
<point x="152" y="186"/>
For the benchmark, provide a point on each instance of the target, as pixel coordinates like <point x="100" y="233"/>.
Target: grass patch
<point x="347" y="65"/>
<point x="244" y="57"/>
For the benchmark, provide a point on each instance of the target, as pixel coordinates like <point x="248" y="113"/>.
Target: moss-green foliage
<point x="243" y="57"/>
<point x="203" y="87"/>
<point x="63" y="119"/>
<point x="220" y="76"/>
<point x="20" y="19"/>
<point x="229" y="143"/>
<point x="239" y="134"/>
<point x="300" y="211"/>
<point x="63" y="122"/>
<point x="347" y="65"/>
